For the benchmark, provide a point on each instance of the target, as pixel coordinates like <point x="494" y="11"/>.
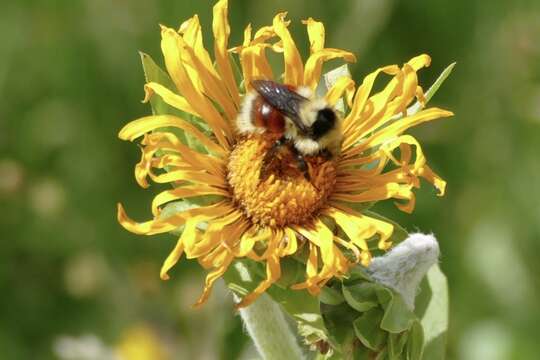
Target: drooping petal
<point x="184" y="192"/>
<point x="384" y="192"/>
<point x="179" y="154"/>
<point x="401" y="125"/>
<point x="273" y="271"/>
<point x="223" y="231"/>
<point x="333" y="261"/>
<point x="152" y="227"/>
<point x="147" y="124"/>
<point x="359" y="228"/>
<point x="168" y="96"/>
<point x="171" y="260"/>
<point x="222" y="260"/>
<point x="289" y="243"/>
<point x="222" y="30"/>
<point x="313" y="69"/>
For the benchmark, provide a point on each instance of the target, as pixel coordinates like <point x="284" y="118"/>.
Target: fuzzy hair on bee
<point x="245" y="123"/>
<point x="296" y="115"/>
<point x="324" y="127"/>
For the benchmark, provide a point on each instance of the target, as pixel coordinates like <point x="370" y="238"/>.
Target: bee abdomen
<point x="265" y="116"/>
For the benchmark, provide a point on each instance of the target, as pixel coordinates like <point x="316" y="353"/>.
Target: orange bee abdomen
<point x="267" y="117"/>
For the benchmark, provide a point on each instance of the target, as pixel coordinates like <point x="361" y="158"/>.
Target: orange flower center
<point x="283" y="195"/>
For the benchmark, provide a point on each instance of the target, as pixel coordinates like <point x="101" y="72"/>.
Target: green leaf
<point x="367" y="329"/>
<point x="292" y="272"/>
<point x="361" y="297"/>
<point x="437" y="84"/>
<point x="331" y="296"/>
<point x="397" y="317"/>
<point x="305" y="309"/>
<point x="339" y="322"/>
<point x="431" y="91"/>
<point x="415" y="343"/>
<point x="432" y="308"/>
<point x="356" y="275"/>
<point x="243" y="276"/>
<point x="153" y="73"/>
<point x="396" y="345"/>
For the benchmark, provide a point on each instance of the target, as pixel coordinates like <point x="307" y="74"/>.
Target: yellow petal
<point x="247" y="35"/>
<point x="223" y="231"/>
<point x="200" y="68"/>
<point x="191" y="176"/>
<point x="390" y="190"/>
<point x="152" y="227"/>
<point x="186" y="191"/>
<point x="289" y="243"/>
<point x="171" y="47"/>
<point x="222" y="30"/>
<point x="168" y="96"/>
<point x="255" y="64"/>
<point x="360" y="228"/>
<point x="147" y="124"/>
<point x="403" y="124"/>
<point x="312" y="72"/>
<point x="344" y="85"/>
<point x="420" y="61"/>
<point x="171" y="260"/>
<point x="273" y="272"/>
<point x="332" y="259"/>
<point x="316" y="34"/>
<point x="294" y="68"/>
<point x="265" y="33"/>
<point x="180" y="154"/>
<point x="433" y="178"/>
<point x="247" y="241"/>
<point x="362" y="95"/>
<point x="213" y="276"/>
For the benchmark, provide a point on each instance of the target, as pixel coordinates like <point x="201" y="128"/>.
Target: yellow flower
<point x="140" y="342"/>
<point x="267" y="220"/>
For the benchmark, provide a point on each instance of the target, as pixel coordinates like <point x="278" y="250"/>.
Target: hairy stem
<point x="270" y="331"/>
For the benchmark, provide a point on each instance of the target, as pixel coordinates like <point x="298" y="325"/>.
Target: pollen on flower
<point x="285" y="197"/>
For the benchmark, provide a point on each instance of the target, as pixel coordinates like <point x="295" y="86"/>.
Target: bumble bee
<point x="295" y="117"/>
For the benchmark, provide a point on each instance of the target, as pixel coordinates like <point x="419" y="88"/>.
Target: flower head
<point x="223" y="208"/>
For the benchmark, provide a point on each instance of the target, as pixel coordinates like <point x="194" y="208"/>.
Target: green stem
<point x="270" y="331"/>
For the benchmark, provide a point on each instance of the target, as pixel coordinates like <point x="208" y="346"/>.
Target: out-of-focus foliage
<point x="72" y="281"/>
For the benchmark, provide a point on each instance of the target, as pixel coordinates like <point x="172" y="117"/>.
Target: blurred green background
<point x="73" y="283"/>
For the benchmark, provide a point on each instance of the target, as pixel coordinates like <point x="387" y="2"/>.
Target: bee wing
<point x="283" y="99"/>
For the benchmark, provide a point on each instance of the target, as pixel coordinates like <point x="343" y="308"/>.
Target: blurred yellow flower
<point x="271" y="219"/>
<point x="140" y="342"/>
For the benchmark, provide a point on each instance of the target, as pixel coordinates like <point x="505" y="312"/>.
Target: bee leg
<point x="302" y="166"/>
<point x="301" y="163"/>
<point x="270" y="155"/>
<point x="326" y="154"/>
